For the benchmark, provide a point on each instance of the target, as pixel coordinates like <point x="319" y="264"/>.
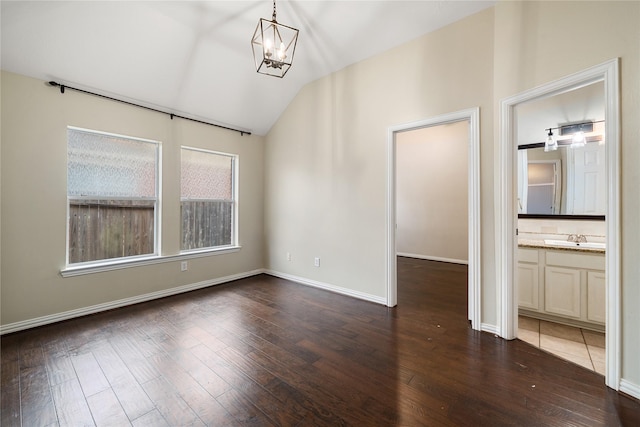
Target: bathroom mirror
<point x="570" y="180"/>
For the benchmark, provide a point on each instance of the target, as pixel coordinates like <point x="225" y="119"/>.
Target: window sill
<point x="100" y="267"/>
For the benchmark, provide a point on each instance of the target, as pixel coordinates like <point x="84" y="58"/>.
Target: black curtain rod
<point x="63" y="87"/>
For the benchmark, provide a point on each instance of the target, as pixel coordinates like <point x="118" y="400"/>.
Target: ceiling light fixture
<point x="273" y="46"/>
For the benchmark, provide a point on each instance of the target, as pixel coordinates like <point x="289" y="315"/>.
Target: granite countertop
<point x="540" y="244"/>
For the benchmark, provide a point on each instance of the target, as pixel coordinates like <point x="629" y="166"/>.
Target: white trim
<point x="328" y="287"/>
<point x="58" y="317"/>
<point x="506" y="209"/>
<point x="474" y="257"/>
<point x="492" y="329"/>
<point x="157" y="199"/>
<point x="391" y="264"/>
<point x="630" y="388"/>
<point x="614" y="251"/>
<point x="206" y="150"/>
<point x="474" y="272"/>
<point x="120" y="264"/>
<point x="433" y="258"/>
<point x="235" y="187"/>
<point x="111" y="134"/>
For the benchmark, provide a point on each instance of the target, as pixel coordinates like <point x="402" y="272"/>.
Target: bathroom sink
<point x="566" y="244"/>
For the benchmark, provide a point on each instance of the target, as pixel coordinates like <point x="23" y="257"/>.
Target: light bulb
<point x="267" y="47"/>
<point x="578" y="139"/>
<point x="550" y="144"/>
<point x="281" y="52"/>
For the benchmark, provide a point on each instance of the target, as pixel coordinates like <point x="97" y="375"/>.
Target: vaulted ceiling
<point x="195" y="58"/>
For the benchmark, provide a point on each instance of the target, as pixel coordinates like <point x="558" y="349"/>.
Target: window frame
<point x="234" y="244"/>
<point x="157" y="214"/>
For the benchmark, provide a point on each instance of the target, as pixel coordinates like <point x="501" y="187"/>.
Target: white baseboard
<point x="630" y="388"/>
<point x="329" y="287"/>
<point x="52" y="318"/>
<point x="433" y="258"/>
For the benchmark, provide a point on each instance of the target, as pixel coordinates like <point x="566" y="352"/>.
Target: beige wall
<point x="431" y="192"/>
<point x="34" y="122"/>
<point x="326" y="157"/>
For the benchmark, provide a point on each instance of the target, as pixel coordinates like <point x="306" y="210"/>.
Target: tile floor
<point x="581" y="346"/>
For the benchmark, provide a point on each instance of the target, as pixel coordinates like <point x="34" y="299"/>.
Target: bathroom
<point x="561" y="227"/>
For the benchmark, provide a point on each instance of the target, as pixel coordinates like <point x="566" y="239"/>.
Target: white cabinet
<point x="596" y="294"/>
<point x="528" y="295"/>
<point x="564" y="286"/>
<point x="562" y="291"/>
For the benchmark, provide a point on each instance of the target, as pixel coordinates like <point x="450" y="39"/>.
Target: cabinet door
<point x="528" y="286"/>
<point x="562" y="291"/>
<point x="596" y="296"/>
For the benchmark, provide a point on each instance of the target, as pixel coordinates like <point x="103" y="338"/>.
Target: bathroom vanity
<point x="562" y="283"/>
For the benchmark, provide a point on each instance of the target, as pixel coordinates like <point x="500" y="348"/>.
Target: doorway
<point x="431" y="193"/>
<point x="562" y="195"/>
<point x="472" y="117"/>
<point x="506" y="217"/>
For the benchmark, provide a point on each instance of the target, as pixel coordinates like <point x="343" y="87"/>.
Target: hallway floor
<point x="581" y="346"/>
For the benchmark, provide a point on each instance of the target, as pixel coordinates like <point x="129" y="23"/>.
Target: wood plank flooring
<point x="265" y="351"/>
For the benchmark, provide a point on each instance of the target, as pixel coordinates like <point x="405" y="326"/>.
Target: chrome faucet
<point x="577" y="238"/>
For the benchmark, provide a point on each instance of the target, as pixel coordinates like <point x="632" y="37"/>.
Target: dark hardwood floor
<point x="265" y="351"/>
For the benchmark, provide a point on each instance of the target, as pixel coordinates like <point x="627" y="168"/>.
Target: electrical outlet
<point x="316" y="262"/>
<point x="184" y="266"/>
<point x="288" y="256"/>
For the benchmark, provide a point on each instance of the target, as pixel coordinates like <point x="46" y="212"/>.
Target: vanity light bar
<point x="573" y="128"/>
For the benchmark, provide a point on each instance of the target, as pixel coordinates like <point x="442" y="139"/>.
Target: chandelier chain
<point x="274" y="11"/>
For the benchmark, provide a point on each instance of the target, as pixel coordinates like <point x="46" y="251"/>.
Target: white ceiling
<point x="195" y="58"/>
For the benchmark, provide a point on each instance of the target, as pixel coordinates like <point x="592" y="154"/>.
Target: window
<point x="112" y="192"/>
<point x="207" y="199"/>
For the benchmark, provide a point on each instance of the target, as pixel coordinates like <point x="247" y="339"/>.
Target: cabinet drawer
<point x="575" y="260"/>
<point x="528" y="255"/>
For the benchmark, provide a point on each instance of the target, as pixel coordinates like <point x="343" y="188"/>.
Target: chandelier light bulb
<point x="267" y="47"/>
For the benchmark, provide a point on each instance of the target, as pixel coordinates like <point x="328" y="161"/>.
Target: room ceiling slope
<point x="194" y="58"/>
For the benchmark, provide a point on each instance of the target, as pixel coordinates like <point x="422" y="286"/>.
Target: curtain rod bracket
<point x="56" y="84"/>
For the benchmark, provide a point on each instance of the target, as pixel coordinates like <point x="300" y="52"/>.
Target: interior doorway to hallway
<point x="431" y="192"/>
<point x="470" y="120"/>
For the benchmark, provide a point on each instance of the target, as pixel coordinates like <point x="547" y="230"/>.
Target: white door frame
<point x="471" y="115"/>
<point x="506" y="214"/>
